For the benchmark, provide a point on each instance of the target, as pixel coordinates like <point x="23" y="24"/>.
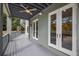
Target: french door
<point x="35" y="29"/>
<point x="62" y="29"/>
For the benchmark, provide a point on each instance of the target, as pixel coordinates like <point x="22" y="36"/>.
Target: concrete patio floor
<point x="22" y="46"/>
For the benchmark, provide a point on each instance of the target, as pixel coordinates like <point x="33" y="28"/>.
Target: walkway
<point x="21" y="46"/>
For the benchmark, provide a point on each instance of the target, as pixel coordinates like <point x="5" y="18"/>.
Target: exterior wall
<point x="43" y="28"/>
<point x="78" y="30"/>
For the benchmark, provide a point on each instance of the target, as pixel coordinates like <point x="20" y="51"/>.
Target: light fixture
<point x="64" y="10"/>
<point x="40" y="13"/>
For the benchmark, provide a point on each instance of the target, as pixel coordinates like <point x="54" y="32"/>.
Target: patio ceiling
<point x="16" y="7"/>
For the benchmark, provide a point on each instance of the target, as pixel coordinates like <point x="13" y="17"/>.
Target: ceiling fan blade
<point x="30" y="13"/>
<point x="26" y="12"/>
<point x="33" y="9"/>
<point x="22" y="11"/>
<point x="23" y="6"/>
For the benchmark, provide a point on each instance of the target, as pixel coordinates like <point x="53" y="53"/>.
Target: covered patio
<point x="16" y="43"/>
<point x="43" y="29"/>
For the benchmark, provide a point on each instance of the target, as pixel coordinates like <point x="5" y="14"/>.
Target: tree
<point x="15" y="23"/>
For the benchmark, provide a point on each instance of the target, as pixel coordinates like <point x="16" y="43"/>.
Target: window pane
<point x="36" y="29"/>
<point x="67" y="29"/>
<point x="53" y="29"/>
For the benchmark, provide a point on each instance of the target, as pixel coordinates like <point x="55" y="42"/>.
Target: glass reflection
<point x="67" y="29"/>
<point x="53" y="29"/>
<point x="36" y="29"/>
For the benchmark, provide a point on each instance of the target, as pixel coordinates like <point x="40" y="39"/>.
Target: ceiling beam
<point x="15" y="5"/>
<point x="41" y="5"/>
<point x="47" y="4"/>
<point x="34" y="5"/>
<point x="38" y="6"/>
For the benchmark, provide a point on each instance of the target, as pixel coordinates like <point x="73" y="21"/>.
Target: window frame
<point x="34" y="37"/>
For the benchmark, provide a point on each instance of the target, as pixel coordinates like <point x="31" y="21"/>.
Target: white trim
<point x="49" y="29"/>
<point x="26" y="27"/>
<point x="35" y="38"/>
<point x="74" y="29"/>
<point x="35" y="29"/>
<point x="59" y="47"/>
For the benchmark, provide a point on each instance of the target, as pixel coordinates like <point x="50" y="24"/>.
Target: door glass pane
<point x="36" y="29"/>
<point x="53" y="29"/>
<point x="67" y="28"/>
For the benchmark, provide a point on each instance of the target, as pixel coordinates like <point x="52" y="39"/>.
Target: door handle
<point x="59" y="35"/>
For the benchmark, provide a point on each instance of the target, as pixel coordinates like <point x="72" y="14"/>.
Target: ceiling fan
<point x="27" y="10"/>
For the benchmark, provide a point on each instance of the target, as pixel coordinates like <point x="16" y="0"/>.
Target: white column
<point x="26" y="26"/>
<point x="9" y="25"/>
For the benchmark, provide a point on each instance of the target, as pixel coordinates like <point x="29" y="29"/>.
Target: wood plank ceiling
<point x="15" y="8"/>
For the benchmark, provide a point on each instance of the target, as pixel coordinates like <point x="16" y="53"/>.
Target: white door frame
<point x="49" y="29"/>
<point x="34" y="21"/>
<point x="59" y="17"/>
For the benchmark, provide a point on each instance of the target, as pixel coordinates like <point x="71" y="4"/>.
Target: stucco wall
<point x="43" y="28"/>
<point x="78" y="30"/>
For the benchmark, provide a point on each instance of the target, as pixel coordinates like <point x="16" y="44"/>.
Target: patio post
<point x="26" y="27"/>
<point x="9" y="25"/>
